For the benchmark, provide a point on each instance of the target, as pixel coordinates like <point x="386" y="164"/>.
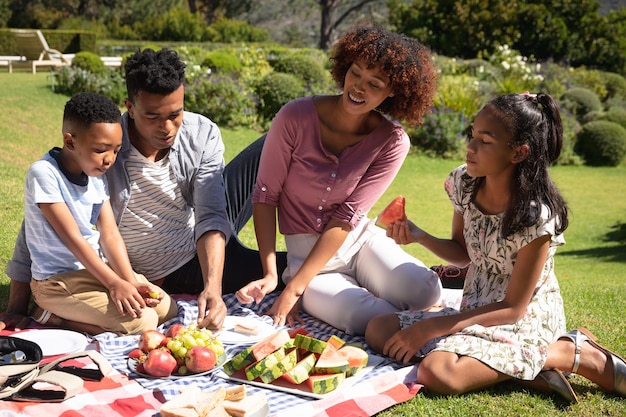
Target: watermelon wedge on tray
<point x="394" y="212"/>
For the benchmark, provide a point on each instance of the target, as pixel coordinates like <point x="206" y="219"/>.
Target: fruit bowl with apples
<point x="182" y="351"/>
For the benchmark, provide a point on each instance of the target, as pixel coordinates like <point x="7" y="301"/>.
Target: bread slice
<point x="192" y="402"/>
<point x="236" y="393"/>
<point x="247" y="327"/>
<point x="250" y="405"/>
<point x="217" y="411"/>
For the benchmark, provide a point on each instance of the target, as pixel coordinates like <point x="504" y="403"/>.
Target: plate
<point x="55" y="341"/>
<point x="302" y="389"/>
<point x="228" y="335"/>
<point x="132" y="365"/>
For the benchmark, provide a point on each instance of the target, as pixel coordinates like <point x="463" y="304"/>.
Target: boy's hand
<point x="126" y="298"/>
<point x="152" y="294"/>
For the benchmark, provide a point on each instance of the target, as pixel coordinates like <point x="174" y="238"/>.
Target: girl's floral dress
<point x="519" y="349"/>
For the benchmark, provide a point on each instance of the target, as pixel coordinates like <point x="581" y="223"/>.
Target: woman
<point x="325" y="162"/>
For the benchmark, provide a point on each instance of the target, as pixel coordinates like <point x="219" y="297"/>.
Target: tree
<point x="328" y="22"/>
<point x="214" y="10"/>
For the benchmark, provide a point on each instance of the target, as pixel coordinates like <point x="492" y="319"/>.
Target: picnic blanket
<point x="126" y="394"/>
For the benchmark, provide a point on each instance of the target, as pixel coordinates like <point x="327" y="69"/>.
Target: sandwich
<point x="247" y="327"/>
<point x="192" y="402"/>
<point x="250" y="405"/>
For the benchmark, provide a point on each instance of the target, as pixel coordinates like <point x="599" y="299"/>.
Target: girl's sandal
<point x="559" y="384"/>
<point x="581" y="335"/>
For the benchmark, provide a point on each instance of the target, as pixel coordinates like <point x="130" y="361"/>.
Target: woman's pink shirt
<point x="310" y="185"/>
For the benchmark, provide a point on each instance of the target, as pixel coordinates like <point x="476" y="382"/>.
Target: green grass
<point x="591" y="267"/>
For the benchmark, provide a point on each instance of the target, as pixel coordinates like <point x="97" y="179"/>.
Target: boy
<point x="81" y="275"/>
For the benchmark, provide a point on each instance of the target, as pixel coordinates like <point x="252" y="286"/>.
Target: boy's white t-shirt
<point x="46" y="183"/>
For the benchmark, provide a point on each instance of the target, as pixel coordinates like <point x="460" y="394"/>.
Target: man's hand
<point x="211" y="310"/>
<point x="13" y="321"/>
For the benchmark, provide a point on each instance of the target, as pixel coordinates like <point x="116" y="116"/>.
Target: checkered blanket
<point x="128" y="394"/>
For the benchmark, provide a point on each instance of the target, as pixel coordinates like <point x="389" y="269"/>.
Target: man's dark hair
<point x="86" y="109"/>
<point x="160" y="72"/>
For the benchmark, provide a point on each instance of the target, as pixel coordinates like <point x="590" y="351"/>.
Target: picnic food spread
<point x="181" y="351"/>
<point x="394" y="212"/>
<point x="321" y="365"/>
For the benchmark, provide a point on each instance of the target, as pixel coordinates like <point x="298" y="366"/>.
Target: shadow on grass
<point x="615" y="253"/>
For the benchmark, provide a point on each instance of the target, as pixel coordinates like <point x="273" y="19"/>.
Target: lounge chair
<point x="32" y="45"/>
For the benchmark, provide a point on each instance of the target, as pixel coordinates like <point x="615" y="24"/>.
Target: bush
<point x="221" y="98"/>
<point x="601" y="143"/>
<point x="73" y="80"/>
<point x="590" y="79"/>
<point x="615" y="85"/>
<point x="222" y="61"/>
<point x="307" y="68"/>
<point x="580" y="101"/>
<point x="89" y="61"/>
<point x="571" y="127"/>
<point x="614" y="114"/>
<point x="233" y="31"/>
<point x="275" y="90"/>
<point x="441" y="134"/>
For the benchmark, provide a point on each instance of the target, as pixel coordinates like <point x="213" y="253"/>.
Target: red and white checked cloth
<point x="114" y="396"/>
<point x="363" y="399"/>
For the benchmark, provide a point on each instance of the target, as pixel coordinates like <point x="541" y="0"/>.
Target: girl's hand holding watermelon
<point x="405" y="232"/>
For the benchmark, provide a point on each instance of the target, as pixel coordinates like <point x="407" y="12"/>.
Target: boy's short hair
<point x="161" y="72"/>
<point x="85" y="109"/>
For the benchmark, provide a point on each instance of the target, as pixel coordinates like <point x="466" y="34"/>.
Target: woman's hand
<point x="257" y="290"/>
<point x="405" y="232"/>
<point x="403" y="345"/>
<point x="286" y="309"/>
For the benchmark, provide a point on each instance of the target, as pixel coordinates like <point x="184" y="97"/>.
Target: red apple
<point x="200" y="359"/>
<point x="164" y="342"/>
<point x="173" y="330"/>
<point x="159" y="363"/>
<point x="150" y="339"/>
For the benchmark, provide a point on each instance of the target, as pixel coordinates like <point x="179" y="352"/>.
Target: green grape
<point x="174" y="344"/>
<point x="181" y="352"/>
<point x="189" y="341"/>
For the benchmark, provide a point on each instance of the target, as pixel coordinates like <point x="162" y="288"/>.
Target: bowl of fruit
<point x="182" y="351"/>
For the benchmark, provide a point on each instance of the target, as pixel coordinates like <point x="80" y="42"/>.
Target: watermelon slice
<point x="322" y="384"/>
<point x="257" y="351"/>
<point x="394" y="212"/>
<point x="301" y="371"/>
<point x="331" y="362"/>
<point x="357" y="358"/>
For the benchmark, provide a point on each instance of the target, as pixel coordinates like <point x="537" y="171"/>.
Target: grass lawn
<point x="591" y="267"/>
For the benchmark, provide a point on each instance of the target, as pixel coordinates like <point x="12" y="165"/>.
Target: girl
<point x="508" y="221"/>
<point x="325" y="162"/>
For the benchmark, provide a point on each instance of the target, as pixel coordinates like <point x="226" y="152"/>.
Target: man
<point x="167" y="193"/>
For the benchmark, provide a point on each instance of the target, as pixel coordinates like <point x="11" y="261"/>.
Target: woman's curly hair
<point x="407" y="63"/>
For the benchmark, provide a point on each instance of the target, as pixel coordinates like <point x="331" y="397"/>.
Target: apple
<point x="150" y="340"/>
<point x="174" y="329"/>
<point x="164" y="342"/>
<point x="159" y="363"/>
<point x="200" y="359"/>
